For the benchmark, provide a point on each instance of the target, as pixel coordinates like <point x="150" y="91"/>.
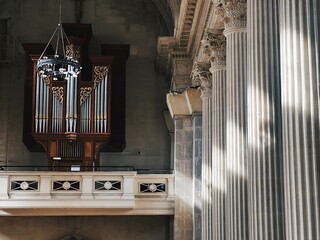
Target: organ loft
<point x="68" y="98"/>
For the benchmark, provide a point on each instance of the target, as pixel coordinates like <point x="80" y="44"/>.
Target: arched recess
<point x="169" y="10"/>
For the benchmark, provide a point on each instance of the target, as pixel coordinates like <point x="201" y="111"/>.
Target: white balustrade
<point x="108" y="193"/>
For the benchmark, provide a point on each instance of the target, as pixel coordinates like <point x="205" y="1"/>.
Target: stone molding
<point x="184" y="104"/>
<point x="186" y="19"/>
<point x="201" y="77"/>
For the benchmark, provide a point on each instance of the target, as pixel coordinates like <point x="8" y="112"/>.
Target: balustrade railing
<point x="137" y="193"/>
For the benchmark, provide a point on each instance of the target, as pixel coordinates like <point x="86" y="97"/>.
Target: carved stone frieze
<point x="214" y="46"/>
<point x="58" y="92"/>
<point x="234" y="12"/>
<point x="201" y="77"/>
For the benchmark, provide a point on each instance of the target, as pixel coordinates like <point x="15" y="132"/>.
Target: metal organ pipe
<point x="57" y="101"/>
<point x="40" y="104"/>
<point x="89" y="114"/>
<point x="95" y="109"/>
<point x="75" y="103"/>
<point x="54" y="114"/>
<point x="85" y="109"/>
<point x="105" y="100"/>
<point x="70" y="104"/>
<point x="98" y="108"/>
<point x="67" y="105"/>
<point x="70" y="96"/>
<point x="100" y="105"/>
<point x="102" y="93"/>
<point x="36" y="117"/>
<point x="71" y="92"/>
<point x="46" y="106"/>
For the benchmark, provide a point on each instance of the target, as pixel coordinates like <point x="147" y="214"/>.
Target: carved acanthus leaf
<point x="234" y="12"/>
<point x="214" y="46"/>
<point x="201" y="77"/>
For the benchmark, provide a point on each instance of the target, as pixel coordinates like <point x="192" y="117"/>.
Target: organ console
<point x="71" y="117"/>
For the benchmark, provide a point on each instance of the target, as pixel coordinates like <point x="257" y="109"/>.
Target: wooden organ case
<point x="70" y="118"/>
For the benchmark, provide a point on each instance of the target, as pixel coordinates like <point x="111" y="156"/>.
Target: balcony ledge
<point x="85" y="193"/>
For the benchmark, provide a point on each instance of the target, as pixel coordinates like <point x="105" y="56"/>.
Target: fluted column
<point x="214" y="45"/>
<point x="201" y="77"/>
<point x="300" y="79"/>
<point x="236" y="80"/>
<point x="265" y="182"/>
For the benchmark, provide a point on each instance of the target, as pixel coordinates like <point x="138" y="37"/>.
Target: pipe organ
<point x="71" y="118"/>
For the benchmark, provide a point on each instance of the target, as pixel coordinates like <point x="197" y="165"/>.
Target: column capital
<point x="201" y="77"/>
<point x="234" y="13"/>
<point x="214" y="45"/>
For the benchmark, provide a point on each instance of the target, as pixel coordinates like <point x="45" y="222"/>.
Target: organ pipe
<point x="42" y="107"/>
<point x="37" y="104"/>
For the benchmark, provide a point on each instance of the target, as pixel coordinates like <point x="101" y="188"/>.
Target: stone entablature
<point x="186" y="19"/>
<point x="72" y="193"/>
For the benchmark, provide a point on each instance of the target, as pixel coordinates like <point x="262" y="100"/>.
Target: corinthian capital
<point x="201" y="77"/>
<point x="235" y="14"/>
<point x="214" y="45"/>
<point x="233" y="11"/>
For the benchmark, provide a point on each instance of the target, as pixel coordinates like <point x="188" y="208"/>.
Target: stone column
<point x="300" y="79"/>
<point x="215" y="46"/>
<point x="182" y="107"/>
<point x="197" y="167"/>
<point x="183" y="166"/>
<point x="202" y="78"/>
<point x="195" y="109"/>
<point x="236" y="80"/>
<point x="265" y="182"/>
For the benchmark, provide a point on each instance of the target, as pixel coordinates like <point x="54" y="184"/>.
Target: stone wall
<point x="89" y="228"/>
